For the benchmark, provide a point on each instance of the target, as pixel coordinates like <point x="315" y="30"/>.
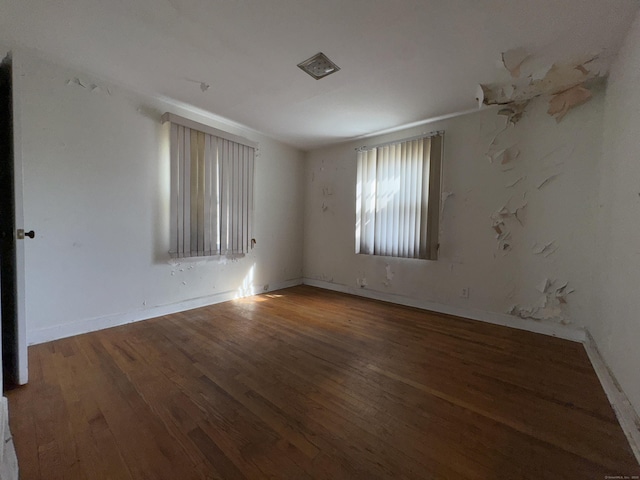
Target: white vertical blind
<point x="366" y="201"/>
<point x="211" y="193"/>
<point x="398" y="197"/>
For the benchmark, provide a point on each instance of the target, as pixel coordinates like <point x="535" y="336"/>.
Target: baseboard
<point x="99" y="323"/>
<point x="627" y="416"/>
<point x="535" y="326"/>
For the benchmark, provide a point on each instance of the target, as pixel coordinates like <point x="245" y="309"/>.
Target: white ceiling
<point x="402" y="61"/>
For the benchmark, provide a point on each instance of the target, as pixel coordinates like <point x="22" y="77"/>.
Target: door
<point x="12" y="285"/>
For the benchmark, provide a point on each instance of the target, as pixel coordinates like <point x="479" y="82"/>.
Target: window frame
<point x="415" y="164"/>
<point x="212" y="190"/>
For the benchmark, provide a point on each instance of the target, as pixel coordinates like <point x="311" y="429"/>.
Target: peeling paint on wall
<point x="503" y="152"/>
<point x="326" y="193"/>
<point x="567" y="83"/>
<point x="515" y="182"/>
<point x="514" y="111"/>
<point x="562" y="102"/>
<point x="443" y="202"/>
<point x="545" y="249"/>
<point x="499" y="220"/>
<point x="513" y="60"/>
<point x="92" y="87"/>
<point x="547" y="180"/>
<point x="504" y="156"/>
<point x="389" y="275"/>
<point x="551" y="303"/>
<point x="497" y="135"/>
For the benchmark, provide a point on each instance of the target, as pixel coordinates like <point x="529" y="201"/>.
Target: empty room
<point x="293" y="239"/>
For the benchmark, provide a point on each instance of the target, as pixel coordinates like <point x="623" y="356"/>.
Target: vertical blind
<point x="398" y="198"/>
<point x="211" y="191"/>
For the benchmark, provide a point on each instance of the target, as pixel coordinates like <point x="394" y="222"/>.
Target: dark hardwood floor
<point x="308" y="384"/>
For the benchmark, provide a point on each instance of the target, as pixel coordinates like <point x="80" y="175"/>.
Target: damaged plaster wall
<point x="567" y="84"/>
<point x="541" y="195"/>
<point x="616" y="323"/>
<point x="96" y="180"/>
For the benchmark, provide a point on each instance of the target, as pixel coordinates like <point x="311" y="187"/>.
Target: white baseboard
<point x="99" y="323"/>
<point x="536" y="326"/>
<point x="627" y="416"/>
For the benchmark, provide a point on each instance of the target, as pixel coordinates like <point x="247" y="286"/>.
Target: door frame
<point x="21" y="318"/>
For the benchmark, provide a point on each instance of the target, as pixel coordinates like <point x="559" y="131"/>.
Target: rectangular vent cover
<point x="319" y="66"/>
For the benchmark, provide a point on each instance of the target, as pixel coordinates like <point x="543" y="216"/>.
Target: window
<point x="211" y="190"/>
<point x="398" y="198"/>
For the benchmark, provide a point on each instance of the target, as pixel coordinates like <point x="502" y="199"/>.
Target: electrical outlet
<point x="464" y="292"/>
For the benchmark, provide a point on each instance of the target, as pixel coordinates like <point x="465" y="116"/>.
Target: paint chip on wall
<point x="443" y="202"/>
<point x="544" y="286"/>
<point x="546" y="249"/>
<point x="551" y="304"/>
<point x="514" y="111"/>
<point x="92" y="87"/>
<point x="515" y="182"/>
<point x="562" y="102"/>
<point x="389" y="275"/>
<point x="76" y="81"/>
<point x="513" y="60"/>
<point x="547" y="180"/>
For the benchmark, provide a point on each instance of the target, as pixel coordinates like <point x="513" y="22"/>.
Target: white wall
<point x="96" y="193"/>
<point x="561" y="211"/>
<point x="616" y="325"/>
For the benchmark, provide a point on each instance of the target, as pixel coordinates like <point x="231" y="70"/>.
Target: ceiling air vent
<point x="319" y="66"/>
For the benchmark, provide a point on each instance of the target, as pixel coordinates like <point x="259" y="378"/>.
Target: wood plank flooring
<point x="311" y="384"/>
